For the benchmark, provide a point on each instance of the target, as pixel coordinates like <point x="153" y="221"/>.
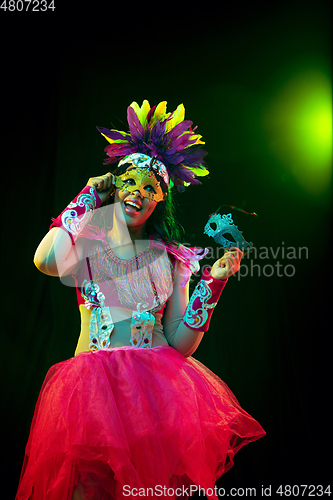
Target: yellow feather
<point x="177" y="117"/>
<point x="193" y="136"/>
<point x="199" y="172"/>
<point x="197" y="137"/>
<point x="136" y="107"/>
<point x="160" y="109"/>
<point x="159" y="113"/>
<point x="141" y="112"/>
<point x="112" y="141"/>
<point x="145" y="108"/>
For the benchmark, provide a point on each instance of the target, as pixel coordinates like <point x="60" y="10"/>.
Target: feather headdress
<point x="168" y="137"/>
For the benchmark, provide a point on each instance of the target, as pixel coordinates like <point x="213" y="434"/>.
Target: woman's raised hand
<point x="227" y="265"/>
<point x="103" y="184"/>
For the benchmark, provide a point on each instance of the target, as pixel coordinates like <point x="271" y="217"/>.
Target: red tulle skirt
<point x="129" y="422"/>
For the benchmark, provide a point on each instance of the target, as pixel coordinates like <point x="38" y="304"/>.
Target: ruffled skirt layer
<point x="124" y="422"/>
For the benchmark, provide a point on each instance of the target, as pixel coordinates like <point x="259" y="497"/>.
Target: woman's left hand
<point x="227" y="265"/>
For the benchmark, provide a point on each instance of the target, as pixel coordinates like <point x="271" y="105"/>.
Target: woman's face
<point x="136" y="208"/>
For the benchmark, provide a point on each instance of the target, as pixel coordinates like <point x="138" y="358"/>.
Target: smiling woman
<point x="133" y="408"/>
<point x="136" y="207"/>
<point x="162" y="221"/>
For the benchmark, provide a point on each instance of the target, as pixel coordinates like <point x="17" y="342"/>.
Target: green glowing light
<point x="312" y="125"/>
<point x="300" y="127"/>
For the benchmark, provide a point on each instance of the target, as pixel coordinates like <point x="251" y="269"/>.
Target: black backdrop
<point x="64" y="72"/>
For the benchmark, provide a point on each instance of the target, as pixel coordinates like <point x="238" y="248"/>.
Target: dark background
<point x="240" y="69"/>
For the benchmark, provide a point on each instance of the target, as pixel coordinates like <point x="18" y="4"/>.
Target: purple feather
<point x="192" y="158"/>
<point x="120" y="149"/>
<point x="156" y="132"/>
<point x="179" y="129"/>
<point x="182" y="142"/>
<point x="183" y="173"/>
<point x="114" y="134"/>
<point x="136" y="129"/>
<point x="150" y="113"/>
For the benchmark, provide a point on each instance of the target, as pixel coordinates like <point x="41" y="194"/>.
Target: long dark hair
<point x="162" y="223"/>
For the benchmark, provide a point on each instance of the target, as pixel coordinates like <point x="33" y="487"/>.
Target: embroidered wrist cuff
<point x="78" y="213"/>
<point x="203" y="301"/>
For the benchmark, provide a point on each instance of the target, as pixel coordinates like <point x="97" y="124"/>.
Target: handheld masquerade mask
<point x="142" y="176"/>
<point x="225" y="225"/>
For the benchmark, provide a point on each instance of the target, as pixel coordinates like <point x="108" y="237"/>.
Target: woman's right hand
<point x="104" y="184"/>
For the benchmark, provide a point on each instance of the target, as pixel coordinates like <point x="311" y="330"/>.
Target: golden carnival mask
<point x="143" y="180"/>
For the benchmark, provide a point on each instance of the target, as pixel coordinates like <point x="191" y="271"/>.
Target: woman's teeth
<point x="134" y="204"/>
<point x="131" y="206"/>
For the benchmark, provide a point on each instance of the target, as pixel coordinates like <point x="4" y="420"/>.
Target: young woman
<point x="132" y="413"/>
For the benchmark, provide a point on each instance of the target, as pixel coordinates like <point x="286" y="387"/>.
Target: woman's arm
<point x="178" y="334"/>
<point x="56" y="255"/>
<point x="183" y="339"/>
<point x="59" y="254"/>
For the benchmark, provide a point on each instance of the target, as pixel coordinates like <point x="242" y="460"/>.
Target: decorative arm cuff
<point x="78" y="213"/>
<point x="203" y="301"/>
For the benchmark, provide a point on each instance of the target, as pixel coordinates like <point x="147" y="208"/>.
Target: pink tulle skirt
<point x="128" y="422"/>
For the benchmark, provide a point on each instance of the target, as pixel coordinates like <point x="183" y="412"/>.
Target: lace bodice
<point x="145" y="280"/>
